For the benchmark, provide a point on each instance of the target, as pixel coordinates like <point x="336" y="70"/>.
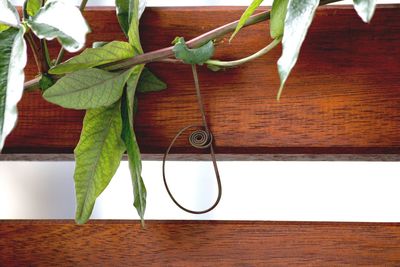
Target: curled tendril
<point x="201" y="138"/>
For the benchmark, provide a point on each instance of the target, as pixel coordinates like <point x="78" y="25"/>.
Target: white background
<point x="305" y="191"/>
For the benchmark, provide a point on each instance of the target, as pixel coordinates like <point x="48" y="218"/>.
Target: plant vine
<point x="104" y="79"/>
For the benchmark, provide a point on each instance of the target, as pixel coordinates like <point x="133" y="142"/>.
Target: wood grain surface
<point x="343" y="96"/>
<point x="60" y="243"/>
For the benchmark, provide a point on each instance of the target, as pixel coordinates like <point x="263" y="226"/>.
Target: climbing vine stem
<point x="166" y="53"/>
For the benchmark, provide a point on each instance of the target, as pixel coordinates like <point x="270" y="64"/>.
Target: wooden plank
<point x="342" y="98"/>
<point x="219" y="157"/>
<point x="50" y="243"/>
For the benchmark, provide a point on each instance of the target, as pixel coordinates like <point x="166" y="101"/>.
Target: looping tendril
<point x="200" y="139"/>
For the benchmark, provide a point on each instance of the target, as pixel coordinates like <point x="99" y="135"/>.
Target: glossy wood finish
<point x="341" y="102"/>
<point x="342" y="97"/>
<point x="50" y="243"/>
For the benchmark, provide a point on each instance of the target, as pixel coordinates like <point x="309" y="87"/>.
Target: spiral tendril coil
<point x="200" y="139"/>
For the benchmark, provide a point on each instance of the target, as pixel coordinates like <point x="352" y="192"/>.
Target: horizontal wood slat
<point x="343" y="96"/>
<point x="50" y="243"/>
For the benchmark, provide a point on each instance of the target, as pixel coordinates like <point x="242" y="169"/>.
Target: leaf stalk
<point x="234" y="63"/>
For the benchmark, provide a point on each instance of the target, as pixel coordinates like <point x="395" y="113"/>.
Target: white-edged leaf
<point x="245" y="16"/>
<point x="97" y="155"/>
<point x="8" y="14"/>
<point x="299" y="16"/>
<point x="93" y="57"/>
<point x="62" y="20"/>
<point x="87" y="88"/>
<point x="365" y="9"/>
<point x="12" y="63"/>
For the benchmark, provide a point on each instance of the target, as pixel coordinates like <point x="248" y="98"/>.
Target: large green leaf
<point x="148" y="82"/>
<point x="61" y="20"/>
<point x="129" y="138"/>
<point x="128" y="16"/>
<point x="300" y="14"/>
<point x="31" y="7"/>
<point x="246" y="15"/>
<point x="88" y="88"/>
<point x="277" y="21"/>
<point x="365" y="9"/>
<point x="8" y="14"/>
<point x="93" y="57"/>
<point x="97" y="155"/>
<point x="193" y="56"/>
<point x="12" y="64"/>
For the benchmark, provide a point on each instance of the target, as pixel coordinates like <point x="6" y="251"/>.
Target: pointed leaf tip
<point x="299" y="16"/>
<point x="365" y="9"/>
<point x="245" y="16"/>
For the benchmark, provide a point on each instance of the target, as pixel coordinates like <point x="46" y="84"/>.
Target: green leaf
<point x="125" y="12"/>
<point x="8" y="14"/>
<point x="148" y="82"/>
<point x="88" y="88"/>
<point x="365" y="9"/>
<point x="133" y="32"/>
<point x="46" y="82"/>
<point x="3" y="27"/>
<point x="278" y="15"/>
<point x="246" y="15"/>
<point x="12" y="64"/>
<point x="61" y="20"/>
<point x="93" y="57"/>
<point x="300" y="14"/>
<point x="31" y="7"/>
<point x="193" y="56"/>
<point x="97" y="155"/>
<point x="129" y="138"/>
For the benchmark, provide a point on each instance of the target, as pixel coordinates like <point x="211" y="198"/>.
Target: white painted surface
<point x="305" y="191"/>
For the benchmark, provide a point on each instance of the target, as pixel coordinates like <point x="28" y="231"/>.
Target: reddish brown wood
<point x="50" y="243"/>
<point x="342" y="97"/>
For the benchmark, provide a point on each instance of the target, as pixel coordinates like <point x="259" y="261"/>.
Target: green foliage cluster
<point x="109" y="97"/>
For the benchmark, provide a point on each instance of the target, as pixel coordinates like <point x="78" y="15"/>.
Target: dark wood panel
<point x="342" y="97"/>
<point x="219" y="157"/>
<point x="50" y="243"/>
